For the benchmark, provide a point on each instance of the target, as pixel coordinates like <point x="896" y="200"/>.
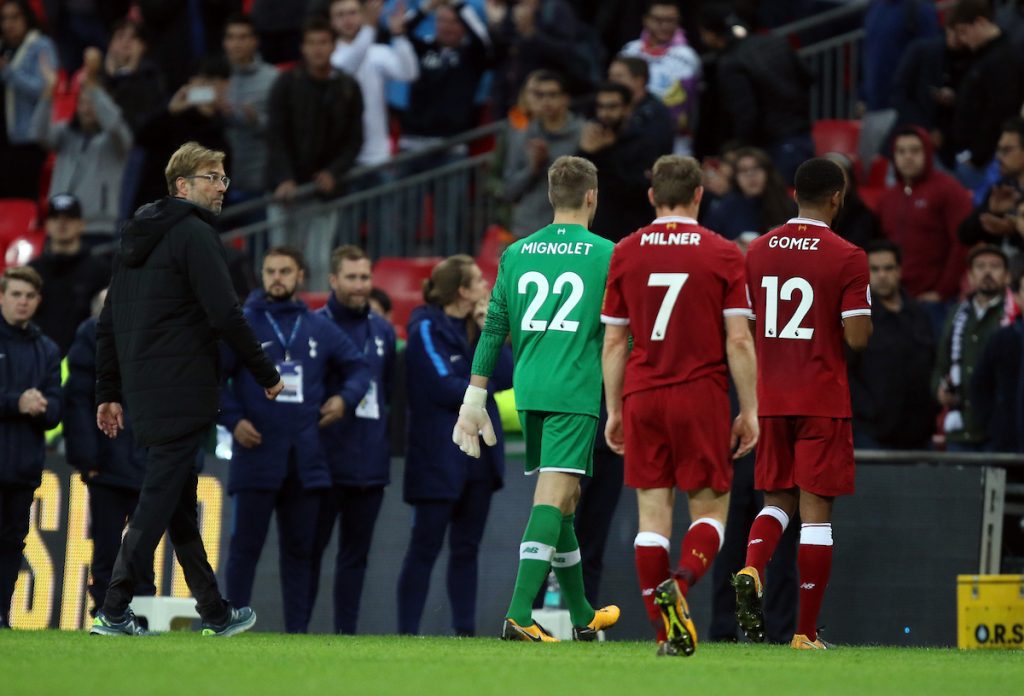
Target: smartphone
<point x="200" y="94"/>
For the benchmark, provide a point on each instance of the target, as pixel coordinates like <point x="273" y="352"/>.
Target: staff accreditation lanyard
<point x="280" y="335"/>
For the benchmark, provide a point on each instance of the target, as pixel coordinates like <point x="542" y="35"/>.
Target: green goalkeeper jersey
<point x="548" y="296"/>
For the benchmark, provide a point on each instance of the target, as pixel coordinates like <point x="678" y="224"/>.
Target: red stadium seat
<point x="18" y="217"/>
<point x="871" y="196"/>
<point x="402" y="279"/>
<point x="314" y="300"/>
<point x="833" y="135"/>
<point x="496" y="240"/>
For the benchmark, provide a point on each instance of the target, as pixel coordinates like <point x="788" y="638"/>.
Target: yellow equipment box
<point x="990" y="611"/>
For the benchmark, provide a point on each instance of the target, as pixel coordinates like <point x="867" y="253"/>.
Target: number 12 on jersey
<point x="792" y="329"/>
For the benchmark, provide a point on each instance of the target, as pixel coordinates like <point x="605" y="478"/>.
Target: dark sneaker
<point x="535" y="633"/>
<point x="605" y="617"/>
<point x="679" y="627"/>
<point x="3" y="623"/>
<point x="749" y="614"/>
<point x="238" y="621"/>
<point x="103" y="625"/>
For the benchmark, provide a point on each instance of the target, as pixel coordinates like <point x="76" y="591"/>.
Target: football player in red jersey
<point x="680" y="290"/>
<point x="809" y="289"/>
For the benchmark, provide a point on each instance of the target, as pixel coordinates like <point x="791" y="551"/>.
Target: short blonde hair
<point x="675" y="180"/>
<point x="187" y="160"/>
<point x="25" y="274"/>
<point x="569" y="179"/>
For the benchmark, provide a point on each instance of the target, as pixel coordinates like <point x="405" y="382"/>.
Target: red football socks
<point x="814" y="560"/>
<point x="700" y="546"/>
<point x="765" y="533"/>
<point x="651" y="552"/>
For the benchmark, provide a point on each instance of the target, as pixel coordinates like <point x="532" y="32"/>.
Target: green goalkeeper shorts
<point x="559" y="442"/>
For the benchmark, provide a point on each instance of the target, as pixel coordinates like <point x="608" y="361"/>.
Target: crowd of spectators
<point x="300" y="99"/>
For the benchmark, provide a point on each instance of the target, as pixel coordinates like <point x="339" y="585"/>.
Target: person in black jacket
<point x="624" y="152"/>
<point x="992" y="89"/>
<point x="314" y="133"/>
<point x="997" y="385"/>
<point x="112" y="469"/>
<point x="156" y="352"/>
<point x="890" y="382"/>
<point x="763" y="89"/>
<point x="442" y="101"/>
<point x="71" y="274"/>
<point x="992" y="222"/>
<point x="30" y="404"/>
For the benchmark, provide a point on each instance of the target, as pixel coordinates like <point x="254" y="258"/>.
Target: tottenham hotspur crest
<point x="312" y="347"/>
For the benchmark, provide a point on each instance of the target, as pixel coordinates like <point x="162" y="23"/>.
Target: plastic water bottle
<point x="553" y="593"/>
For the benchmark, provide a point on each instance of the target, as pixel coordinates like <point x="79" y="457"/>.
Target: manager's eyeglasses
<point x="212" y="178"/>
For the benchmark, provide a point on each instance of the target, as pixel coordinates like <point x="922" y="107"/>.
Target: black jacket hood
<point x="145" y="230"/>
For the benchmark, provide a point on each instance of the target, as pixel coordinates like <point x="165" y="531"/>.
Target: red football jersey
<point x="804" y="279"/>
<point x="671" y="282"/>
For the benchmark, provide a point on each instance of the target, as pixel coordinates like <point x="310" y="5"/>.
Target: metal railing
<point x="835" y="64"/>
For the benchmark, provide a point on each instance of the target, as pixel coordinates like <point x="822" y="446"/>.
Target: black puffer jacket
<point x="763" y="86"/>
<point x="170" y="300"/>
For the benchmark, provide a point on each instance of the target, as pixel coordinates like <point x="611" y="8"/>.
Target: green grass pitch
<point x="51" y="662"/>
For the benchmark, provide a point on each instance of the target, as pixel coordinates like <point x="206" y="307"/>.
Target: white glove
<point x="473" y="421"/>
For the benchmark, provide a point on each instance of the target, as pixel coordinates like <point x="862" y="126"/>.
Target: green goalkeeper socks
<point x="539" y="541"/>
<point x="569" y="571"/>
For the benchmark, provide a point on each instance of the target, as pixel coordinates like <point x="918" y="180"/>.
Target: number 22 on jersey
<point x="561" y="321"/>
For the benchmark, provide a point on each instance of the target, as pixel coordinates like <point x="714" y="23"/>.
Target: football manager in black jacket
<point x="170" y="300"/>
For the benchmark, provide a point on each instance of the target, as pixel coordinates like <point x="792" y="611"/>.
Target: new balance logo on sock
<point x="647" y="592"/>
<point x="807" y="586"/>
<point x="531" y="549"/>
<point x="702" y="557"/>
<point x="755" y="541"/>
<point x="558" y="560"/>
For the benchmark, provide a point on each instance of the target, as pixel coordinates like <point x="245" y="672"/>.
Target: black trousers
<point x="463" y="520"/>
<point x="110" y="508"/>
<point x="598" y="501"/>
<point x="356" y="510"/>
<point x="297" y="510"/>
<point x="167" y="502"/>
<point x="780" y="592"/>
<point x="15" y="510"/>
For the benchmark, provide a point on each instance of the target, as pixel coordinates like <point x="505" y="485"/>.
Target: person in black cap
<point x="71" y="275"/>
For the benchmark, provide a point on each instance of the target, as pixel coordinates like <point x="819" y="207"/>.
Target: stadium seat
<point x="871" y="196"/>
<point x="834" y="135"/>
<point x="166" y="613"/>
<point x="18" y="217"/>
<point x="314" y="300"/>
<point x="496" y="240"/>
<point x="402" y="279"/>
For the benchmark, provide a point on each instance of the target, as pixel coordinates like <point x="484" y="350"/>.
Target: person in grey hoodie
<point x="554" y="131"/>
<point x="245" y="108"/>
<point x="92" y="148"/>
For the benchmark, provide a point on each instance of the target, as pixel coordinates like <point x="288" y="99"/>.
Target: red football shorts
<point x="678" y="436"/>
<point x="811" y="453"/>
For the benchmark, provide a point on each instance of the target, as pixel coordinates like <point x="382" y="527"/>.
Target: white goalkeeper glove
<point x="473" y="422"/>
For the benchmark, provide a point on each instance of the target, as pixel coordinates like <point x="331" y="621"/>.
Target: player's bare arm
<point x="613" y="365"/>
<point x="739" y="350"/>
<point x="856" y="332"/>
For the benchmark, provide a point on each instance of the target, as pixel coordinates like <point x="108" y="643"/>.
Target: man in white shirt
<point x="357" y="53"/>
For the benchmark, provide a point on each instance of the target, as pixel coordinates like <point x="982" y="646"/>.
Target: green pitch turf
<point x="51" y="662"/>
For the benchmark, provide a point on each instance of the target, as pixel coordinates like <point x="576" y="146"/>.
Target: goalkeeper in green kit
<point x="548" y="296"/>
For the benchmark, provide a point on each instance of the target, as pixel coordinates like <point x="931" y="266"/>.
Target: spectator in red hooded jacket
<point x="921" y="213"/>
